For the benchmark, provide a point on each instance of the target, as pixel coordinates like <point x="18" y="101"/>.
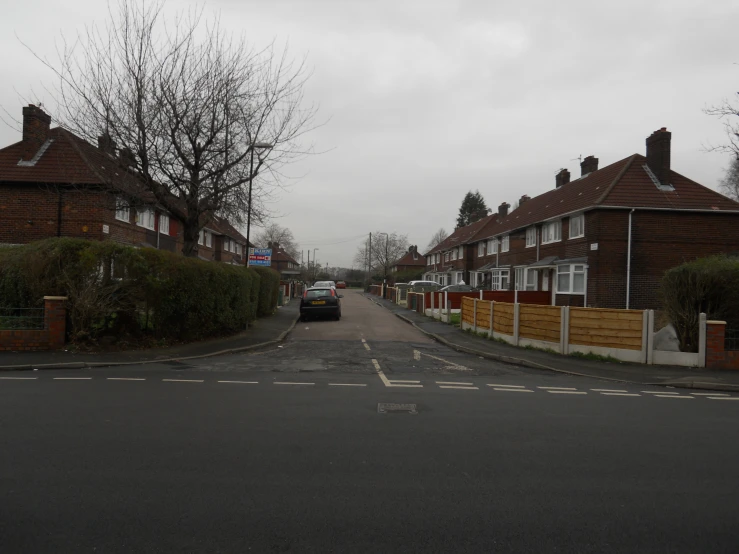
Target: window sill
<point x="551" y="242"/>
<point x="571" y="293"/>
<point x="577" y="237"/>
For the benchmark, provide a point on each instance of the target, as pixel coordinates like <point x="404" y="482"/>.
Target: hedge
<point x="115" y="289"/>
<point x="708" y="285"/>
<point x="269" y="290"/>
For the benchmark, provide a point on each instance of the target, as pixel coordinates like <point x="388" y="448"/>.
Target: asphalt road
<point x="335" y="444"/>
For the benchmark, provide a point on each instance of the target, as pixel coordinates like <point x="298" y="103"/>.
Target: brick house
<point x="283" y="262"/>
<point x="55" y="184"/>
<point x="410" y="261"/>
<point x="605" y="239"/>
<point x="450" y="261"/>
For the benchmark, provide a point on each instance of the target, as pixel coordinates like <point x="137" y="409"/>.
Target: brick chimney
<point x="523" y="200"/>
<point x="503" y="209"/>
<point x="658" y="154"/>
<point x="126" y="157"/>
<point x="562" y="178"/>
<point x="36" y="124"/>
<point x="588" y="165"/>
<point x="106" y="144"/>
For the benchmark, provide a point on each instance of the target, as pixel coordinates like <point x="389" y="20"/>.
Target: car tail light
<point x="333" y="292"/>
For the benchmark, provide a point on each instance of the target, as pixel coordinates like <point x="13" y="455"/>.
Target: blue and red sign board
<point x="260" y="256"/>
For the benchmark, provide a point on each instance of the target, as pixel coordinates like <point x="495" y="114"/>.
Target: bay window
<point x="571" y="279"/>
<point x="500" y="279"/>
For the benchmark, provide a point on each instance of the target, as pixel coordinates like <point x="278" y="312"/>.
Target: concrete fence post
<point x="645" y="333"/>
<point x="474" y="314"/>
<point x="446" y="303"/>
<point x="650" y="337"/>
<point x="562" y="333"/>
<point x="702" y="340"/>
<point x="480" y="294"/>
<point x="516" y="322"/>
<point x="432" y="304"/>
<point x="449" y="312"/>
<point x="566" y="330"/>
<point x="492" y="308"/>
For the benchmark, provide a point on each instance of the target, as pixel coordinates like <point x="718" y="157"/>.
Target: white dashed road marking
<point x="347" y="384"/>
<point x="19" y="378"/>
<point x="506" y="386"/>
<point x="566" y="392"/>
<point x="556" y="388"/>
<point x="609" y="390"/>
<point x="390" y="383"/>
<point x="620" y="394"/>
<point x="241" y="382"/>
<point x="673" y="396"/>
<point x="512" y="390"/>
<point x="126" y="379"/>
<point x="291" y="383"/>
<point x="453" y="383"/>
<point x="72" y="378"/>
<point x="183" y="380"/>
<point x="709" y="394"/>
<point x="663" y="393"/>
<point x="722" y="397"/>
<point x="457" y="387"/>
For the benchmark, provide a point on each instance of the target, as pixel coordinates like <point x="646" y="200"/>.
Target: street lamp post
<point x="315" y="274"/>
<point x="253" y="146"/>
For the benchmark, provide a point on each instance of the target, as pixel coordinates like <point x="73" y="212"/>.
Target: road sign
<point x="260" y="256"/>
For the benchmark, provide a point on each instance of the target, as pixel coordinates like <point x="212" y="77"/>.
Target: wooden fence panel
<point x="468" y="307"/>
<point x="540" y="322"/>
<point x="483" y="314"/>
<point x="606" y="328"/>
<point x="503" y="318"/>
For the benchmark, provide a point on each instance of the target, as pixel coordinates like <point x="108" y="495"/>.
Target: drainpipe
<point x="628" y="263"/>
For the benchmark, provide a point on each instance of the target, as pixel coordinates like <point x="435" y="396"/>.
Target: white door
<point x="545" y="280"/>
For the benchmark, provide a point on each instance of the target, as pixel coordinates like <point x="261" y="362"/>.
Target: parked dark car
<point x="320" y="301"/>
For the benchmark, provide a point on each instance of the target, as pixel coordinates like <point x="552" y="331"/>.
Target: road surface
<point x="361" y="436"/>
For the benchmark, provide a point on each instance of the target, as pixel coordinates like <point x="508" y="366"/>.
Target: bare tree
<point x="200" y="117"/>
<point x="728" y="112"/>
<point x="386" y="248"/>
<point x="730" y="183"/>
<point x="437" y="238"/>
<point x="275" y="233"/>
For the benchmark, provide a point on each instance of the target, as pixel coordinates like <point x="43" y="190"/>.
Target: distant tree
<point x="473" y="208"/>
<point x="437" y="238"/>
<point x="730" y="183"/>
<point x="275" y="233"/>
<point x="383" y="252"/>
<point x="728" y="112"/>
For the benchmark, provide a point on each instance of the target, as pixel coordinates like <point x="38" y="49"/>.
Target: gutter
<point x="628" y="263"/>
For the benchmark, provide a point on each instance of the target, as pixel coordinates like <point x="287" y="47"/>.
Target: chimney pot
<point x="588" y="165"/>
<point x="523" y="199"/>
<point x="36" y="125"/>
<point x="562" y="178"/>
<point x="658" y="154"/>
<point x="503" y="209"/>
<point x="106" y="144"/>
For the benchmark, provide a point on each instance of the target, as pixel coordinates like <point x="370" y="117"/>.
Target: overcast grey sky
<point x="427" y="99"/>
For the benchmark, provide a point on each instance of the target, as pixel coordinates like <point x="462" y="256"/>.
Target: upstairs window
<point x="145" y="218"/>
<point x="454" y="254"/>
<point x="480" y="249"/>
<point x="164" y="224"/>
<point x="493" y="246"/>
<point x="208" y="239"/>
<point x="505" y="243"/>
<point x="530" y="237"/>
<point x="461" y="252"/>
<point x="122" y="210"/>
<point x="551" y="232"/>
<point x="577" y="226"/>
<point x="201" y="237"/>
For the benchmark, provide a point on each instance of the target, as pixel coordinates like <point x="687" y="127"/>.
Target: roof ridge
<point x="627" y="165"/>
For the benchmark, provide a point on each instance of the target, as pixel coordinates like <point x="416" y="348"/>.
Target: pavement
<point x="455" y="338"/>
<point x="265" y="332"/>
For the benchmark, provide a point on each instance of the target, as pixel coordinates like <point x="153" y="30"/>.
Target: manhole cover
<point x="389" y="407"/>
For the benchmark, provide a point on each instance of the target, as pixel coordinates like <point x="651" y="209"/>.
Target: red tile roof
<point x="408" y="259"/>
<point x="462" y="235"/>
<point x="279" y="255"/>
<point x="623" y="184"/>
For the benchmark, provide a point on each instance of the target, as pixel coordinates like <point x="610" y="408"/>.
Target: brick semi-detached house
<point x="603" y="240"/>
<point x="55" y="184"/>
<point x="410" y="261"/>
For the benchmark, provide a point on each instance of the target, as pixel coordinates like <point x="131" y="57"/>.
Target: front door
<point x="545" y="280"/>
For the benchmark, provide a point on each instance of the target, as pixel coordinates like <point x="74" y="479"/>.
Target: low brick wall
<point x="717" y="357"/>
<point x="50" y="338"/>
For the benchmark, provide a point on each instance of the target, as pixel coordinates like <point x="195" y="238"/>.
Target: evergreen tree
<point x="473" y="208"/>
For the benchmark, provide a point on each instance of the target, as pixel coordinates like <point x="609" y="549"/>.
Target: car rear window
<point x="317" y="293"/>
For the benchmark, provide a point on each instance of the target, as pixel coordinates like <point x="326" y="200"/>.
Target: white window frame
<point x="520" y="278"/>
<point x="238" y="249"/>
<point x="505" y="243"/>
<point x="577" y="222"/>
<point x="493" y="246"/>
<point x="532" y="279"/>
<point x="122" y="210"/>
<point x="500" y="279"/>
<point x="530" y="237"/>
<point x="454" y="254"/>
<point x="480" y="249"/>
<point x="571" y="270"/>
<point x="164" y="224"/>
<point x="145" y="218"/>
<point x="551" y="232"/>
<point x="208" y="239"/>
<point x="461" y="252"/>
<point x="200" y="237"/>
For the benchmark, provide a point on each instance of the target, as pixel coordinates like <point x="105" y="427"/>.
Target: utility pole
<point x="369" y="260"/>
<point x="307" y="269"/>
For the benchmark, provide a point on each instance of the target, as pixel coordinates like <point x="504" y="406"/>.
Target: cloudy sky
<point x="427" y="99"/>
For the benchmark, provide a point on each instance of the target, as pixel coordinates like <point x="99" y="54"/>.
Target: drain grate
<point x="389" y="408"/>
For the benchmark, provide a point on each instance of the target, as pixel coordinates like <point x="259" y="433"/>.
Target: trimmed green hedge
<point x="269" y="290"/>
<point x="115" y="289"/>
<point x="709" y="285"/>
